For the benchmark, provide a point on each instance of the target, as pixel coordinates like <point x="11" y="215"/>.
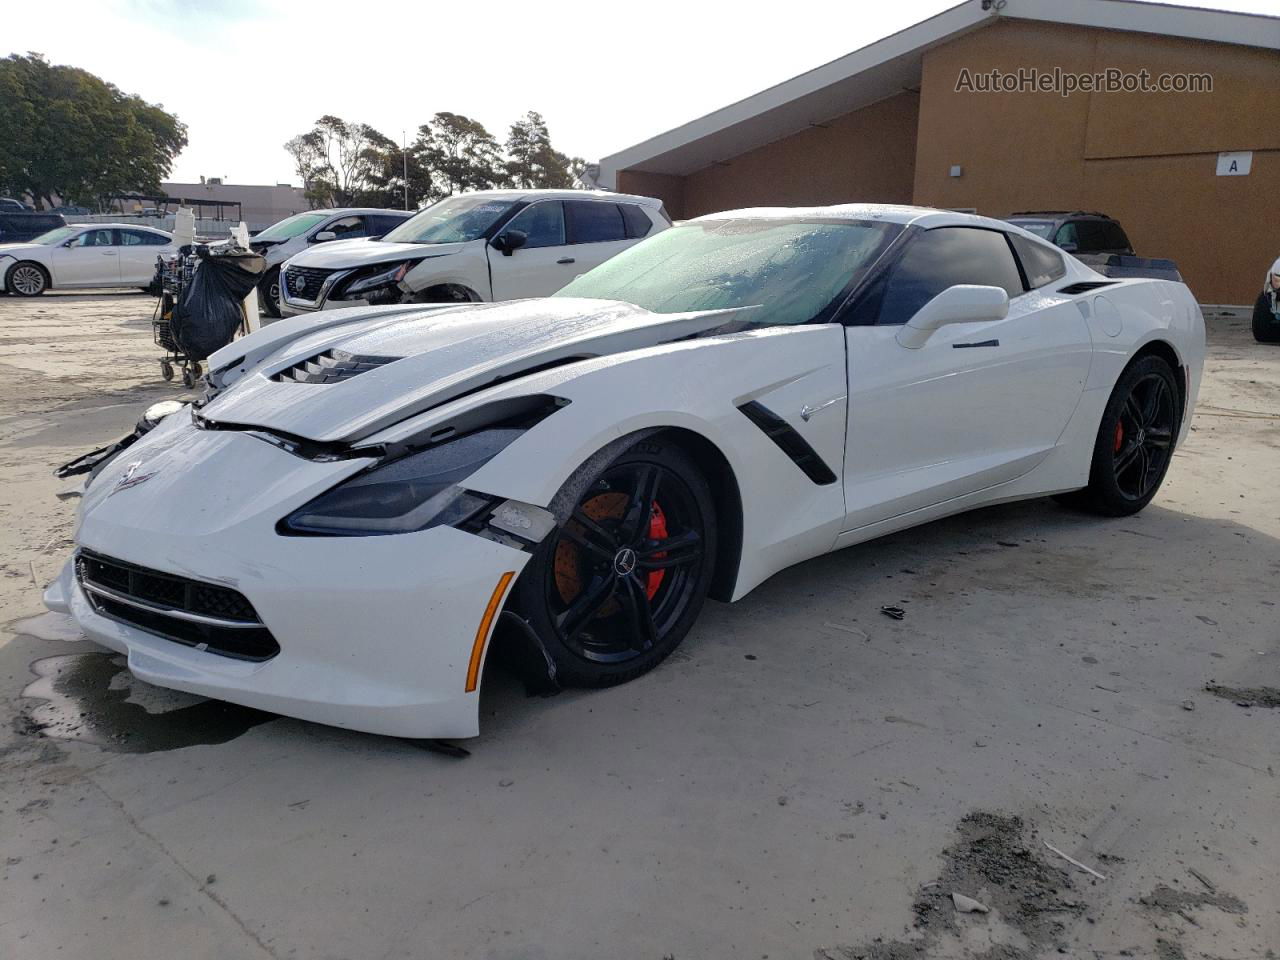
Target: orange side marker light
<point x="482" y="632"/>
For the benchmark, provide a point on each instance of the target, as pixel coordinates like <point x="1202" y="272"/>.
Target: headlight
<point x="416" y="492"/>
<point x="384" y="278"/>
<point x="158" y="411"/>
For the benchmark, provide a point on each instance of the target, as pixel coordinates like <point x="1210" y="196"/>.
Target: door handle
<point x="976" y="343"/>
<point x="565" y="260"/>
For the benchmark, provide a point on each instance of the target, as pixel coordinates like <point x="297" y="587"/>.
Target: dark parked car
<point x="1077" y="232"/>
<point x="21" y="227"/>
<point x="8" y="204"/>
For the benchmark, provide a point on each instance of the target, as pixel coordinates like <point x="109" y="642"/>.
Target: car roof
<point x="329" y="211"/>
<point x="561" y="195"/>
<point x="119" y="226"/>
<point x="889" y="213"/>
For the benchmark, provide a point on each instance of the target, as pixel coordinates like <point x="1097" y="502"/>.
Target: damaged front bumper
<point x="384" y="634"/>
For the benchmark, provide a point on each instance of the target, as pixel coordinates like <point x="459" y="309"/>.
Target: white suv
<point x="282" y="240"/>
<point x="489" y="245"/>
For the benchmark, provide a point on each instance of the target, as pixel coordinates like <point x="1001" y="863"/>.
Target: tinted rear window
<point x="636" y="221"/>
<point x="1039" y="263"/>
<point x="594" y="221"/>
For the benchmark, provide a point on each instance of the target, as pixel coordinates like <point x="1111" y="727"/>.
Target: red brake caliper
<point x="657" y="531"/>
<point x="1119" y="436"/>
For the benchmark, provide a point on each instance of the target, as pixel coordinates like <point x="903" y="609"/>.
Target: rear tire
<point x="269" y="292"/>
<point x="1266" y="327"/>
<point x="1135" y="441"/>
<point x="26" y="278"/>
<point x="607" y="600"/>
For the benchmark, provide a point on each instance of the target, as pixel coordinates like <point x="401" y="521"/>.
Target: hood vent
<point x="332" y="366"/>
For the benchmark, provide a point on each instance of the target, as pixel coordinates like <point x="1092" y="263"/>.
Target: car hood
<point x="349" y="381"/>
<point x="342" y="254"/>
<point x="25" y="249"/>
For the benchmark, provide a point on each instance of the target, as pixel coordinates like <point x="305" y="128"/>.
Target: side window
<point x="140" y="238"/>
<point x="94" y="238"/>
<point x="1093" y="235"/>
<point x="1115" y="237"/>
<point x="941" y="258"/>
<point x="379" y="225"/>
<point x="1041" y="264"/>
<point x="1066" y="234"/>
<point x="543" y="222"/>
<point x="594" y="221"/>
<point x="635" y="220"/>
<point x="348" y="228"/>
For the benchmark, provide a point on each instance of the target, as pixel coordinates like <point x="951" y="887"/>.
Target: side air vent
<point x="1084" y="286"/>
<point x="789" y="442"/>
<point x="332" y="366"/>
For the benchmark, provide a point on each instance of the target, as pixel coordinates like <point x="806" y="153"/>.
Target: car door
<point x="979" y="403"/>
<point x="543" y="264"/>
<point x="138" y="251"/>
<point x="88" y="260"/>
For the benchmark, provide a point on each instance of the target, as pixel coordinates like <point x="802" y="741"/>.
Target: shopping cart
<point x="173" y="274"/>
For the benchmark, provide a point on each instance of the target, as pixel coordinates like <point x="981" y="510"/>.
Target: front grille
<point x="332" y="366"/>
<point x="304" y="283"/>
<point x="191" y="612"/>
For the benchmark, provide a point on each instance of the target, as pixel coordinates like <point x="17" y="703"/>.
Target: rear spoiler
<point x="1121" y="266"/>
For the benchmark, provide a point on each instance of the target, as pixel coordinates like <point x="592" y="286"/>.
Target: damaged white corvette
<point x="333" y="532"/>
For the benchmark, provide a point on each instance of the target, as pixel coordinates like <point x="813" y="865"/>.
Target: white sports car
<point x="333" y="532"/>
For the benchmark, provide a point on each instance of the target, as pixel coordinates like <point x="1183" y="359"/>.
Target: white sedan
<point x="83" y="255"/>
<point x="735" y="395"/>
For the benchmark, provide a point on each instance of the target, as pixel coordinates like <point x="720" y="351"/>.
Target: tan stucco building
<point x="905" y="120"/>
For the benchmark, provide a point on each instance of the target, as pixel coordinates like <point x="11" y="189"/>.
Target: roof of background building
<point x="893" y="64"/>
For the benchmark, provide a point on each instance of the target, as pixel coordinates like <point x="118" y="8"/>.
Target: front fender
<point x="698" y="386"/>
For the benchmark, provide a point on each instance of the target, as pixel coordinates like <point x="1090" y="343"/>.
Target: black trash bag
<point x="209" y="311"/>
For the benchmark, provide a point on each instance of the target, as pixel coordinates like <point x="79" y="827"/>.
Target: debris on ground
<point x="1073" y="860"/>
<point x="1188" y="704"/>
<point x="1246" y="696"/>
<point x="996" y="857"/>
<point x="967" y="904"/>
<point x="1168" y="900"/>
<point x="893" y="613"/>
<point x="1203" y="879"/>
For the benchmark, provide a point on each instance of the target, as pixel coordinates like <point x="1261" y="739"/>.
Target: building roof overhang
<point x="892" y="65"/>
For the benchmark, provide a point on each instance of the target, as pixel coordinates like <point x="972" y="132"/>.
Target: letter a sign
<point x="1235" y="164"/>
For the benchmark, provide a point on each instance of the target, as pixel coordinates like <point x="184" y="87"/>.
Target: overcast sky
<point x="246" y="75"/>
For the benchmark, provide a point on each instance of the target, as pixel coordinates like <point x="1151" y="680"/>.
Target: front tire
<point x="616" y="587"/>
<point x="1135" y="440"/>
<point x="27" y="279"/>
<point x="269" y="292"/>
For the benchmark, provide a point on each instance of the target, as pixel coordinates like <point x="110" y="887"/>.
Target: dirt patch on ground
<point x="1246" y="696"/>
<point x="1169" y="900"/>
<point x="996" y="861"/>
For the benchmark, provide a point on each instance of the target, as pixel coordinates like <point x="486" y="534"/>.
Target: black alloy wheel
<point x="617" y="586"/>
<point x="1135" y="440"/>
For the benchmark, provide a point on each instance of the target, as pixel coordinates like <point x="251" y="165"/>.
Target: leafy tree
<point x="533" y="162"/>
<point x="460" y="154"/>
<point x="68" y="134"/>
<point x="336" y="160"/>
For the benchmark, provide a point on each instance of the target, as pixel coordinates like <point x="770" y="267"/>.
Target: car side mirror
<point x="510" y="241"/>
<point x="1069" y="247"/>
<point x="324" y="236"/>
<point x="963" y="303"/>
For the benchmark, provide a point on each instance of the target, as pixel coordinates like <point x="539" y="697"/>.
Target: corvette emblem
<point x="132" y="478"/>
